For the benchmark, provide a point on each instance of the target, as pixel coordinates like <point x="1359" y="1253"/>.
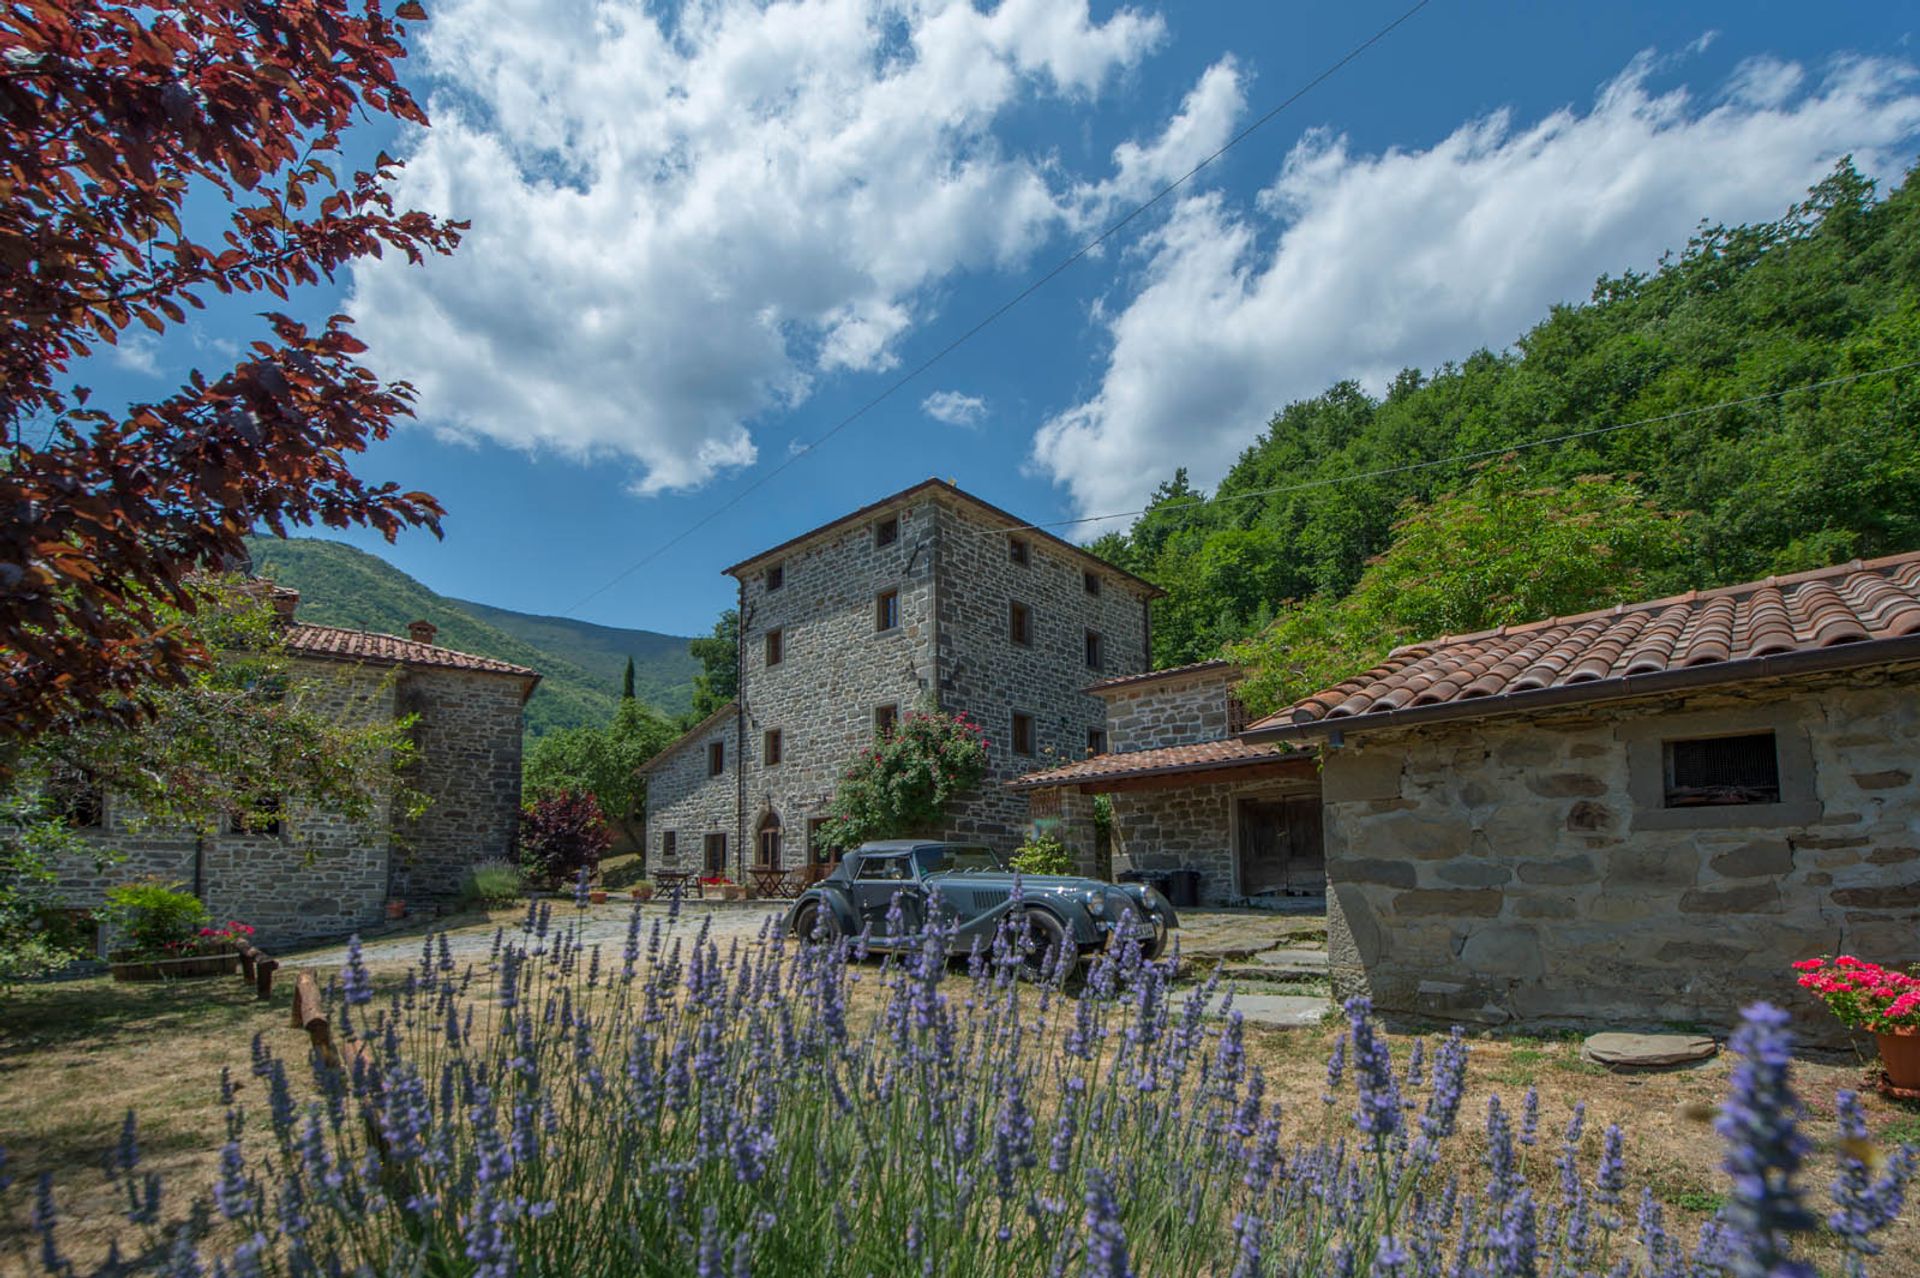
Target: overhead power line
<point x="1035" y="286"/>
<point x="1331" y="481"/>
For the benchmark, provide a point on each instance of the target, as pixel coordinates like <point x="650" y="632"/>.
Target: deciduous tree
<point x="111" y="116"/>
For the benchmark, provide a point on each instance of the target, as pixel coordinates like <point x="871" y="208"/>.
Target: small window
<point x="77" y="799"/>
<point x="887" y="531"/>
<point x="883" y="867"/>
<point x="776" y="646"/>
<point x="1091" y="580"/>
<point x="766" y="851"/>
<point x="776" y="577"/>
<point x="1019" y="623"/>
<point x="886" y="610"/>
<point x="1096" y="741"/>
<point x="715" y="862"/>
<point x="770" y="751"/>
<point x="262" y="822"/>
<point x="1023" y="734"/>
<point x="716" y="758"/>
<point x="1017" y="551"/>
<point x="1093" y="650"/>
<point x="1722" y="771"/>
<point x="885" y="720"/>
<point x="669" y="847"/>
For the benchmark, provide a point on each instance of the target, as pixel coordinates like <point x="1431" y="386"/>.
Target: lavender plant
<point x="777" y="1108"/>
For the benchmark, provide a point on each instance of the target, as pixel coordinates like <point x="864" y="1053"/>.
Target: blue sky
<point x="697" y="244"/>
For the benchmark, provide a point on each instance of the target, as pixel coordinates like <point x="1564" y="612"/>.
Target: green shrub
<point x="151" y="915"/>
<point x="489" y="884"/>
<point x="623" y="872"/>
<point x="904" y="784"/>
<point x="1043" y="854"/>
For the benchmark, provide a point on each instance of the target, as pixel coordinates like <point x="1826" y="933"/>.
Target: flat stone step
<point x="1287" y="1011"/>
<point x="1647" y="1051"/>
<point x="1314" y="961"/>
<point x="1275" y="976"/>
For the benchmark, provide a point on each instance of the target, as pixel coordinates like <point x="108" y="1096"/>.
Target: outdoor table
<point x="671" y="881"/>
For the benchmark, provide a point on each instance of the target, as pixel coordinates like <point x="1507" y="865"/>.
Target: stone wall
<point x="322" y="876"/>
<point x="836" y="668"/>
<point x="986" y="674"/>
<point x="469" y="736"/>
<point x="687" y="803"/>
<point x="1192" y="826"/>
<point x="1527" y="870"/>
<point x="1175" y="710"/>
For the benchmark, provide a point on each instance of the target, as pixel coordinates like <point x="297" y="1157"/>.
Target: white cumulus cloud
<point x="954" y="408"/>
<point x="681" y="224"/>
<point x="1353" y="265"/>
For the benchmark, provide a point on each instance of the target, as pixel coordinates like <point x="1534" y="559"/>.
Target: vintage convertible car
<point x="974" y="893"/>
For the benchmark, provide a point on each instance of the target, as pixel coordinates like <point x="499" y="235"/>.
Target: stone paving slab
<point x="1314" y="961"/>
<point x="1209" y="936"/>
<point x="1284" y="1011"/>
<point x="1647" y="1051"/>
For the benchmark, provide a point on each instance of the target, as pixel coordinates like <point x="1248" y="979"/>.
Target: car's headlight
<point x="1096" y="903"/>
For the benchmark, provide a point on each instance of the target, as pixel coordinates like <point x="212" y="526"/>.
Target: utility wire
<point x="1480" y="454"/>
<point x="1032" y="288"/>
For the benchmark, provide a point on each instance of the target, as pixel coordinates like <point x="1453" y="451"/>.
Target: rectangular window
<point x="716" y="758"/>
<point x="716" y="855"/>
<point x="886" y="610"/>
<point x="1093" y="650"/>
<point x="1017" y="550"/>
<point x="1022" y="733"/>
<point x="262" y="822"/>
<point x="885" y="720"/>
<point x="669" y="847"/>
<point x="1722" y="771"/>
<point x="1096" y="741"/>
<point x="770" y="752"/>
<point x="1020" y="623"/>
<point x="1091" y="580"/>
<point x="77" y="799"/>
<point x="776" y="642"/>
<point x="887" y="531"/>
<point x="776" y="577"/>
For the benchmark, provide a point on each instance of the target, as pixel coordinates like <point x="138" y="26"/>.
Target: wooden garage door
<point x="1281" y="848"/>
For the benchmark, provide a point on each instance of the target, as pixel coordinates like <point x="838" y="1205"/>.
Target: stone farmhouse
<point x="928" y="597"/>
<point x="316" y="874"/>
<point x="1636" y="815"/>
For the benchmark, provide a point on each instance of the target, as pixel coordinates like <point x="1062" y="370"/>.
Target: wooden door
<point x="1281" y="847"/>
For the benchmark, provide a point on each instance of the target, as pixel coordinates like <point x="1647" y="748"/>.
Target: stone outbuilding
<point x="928" y="598"/>
<point x="1628" y="817"/>
<point x="1188" y="794"/>
<point x="316" y="874"/>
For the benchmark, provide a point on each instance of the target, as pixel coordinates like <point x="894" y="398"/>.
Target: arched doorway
<point x="766" y="844"/>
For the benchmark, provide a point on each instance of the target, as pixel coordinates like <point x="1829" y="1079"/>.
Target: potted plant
<point x="1880" y="1000"/>
<point x="597" y="896"/>
<point x="643" y="891"/>
<point x="396" y="909"/>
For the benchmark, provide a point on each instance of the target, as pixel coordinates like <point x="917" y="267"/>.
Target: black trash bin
<point x="1183" y="887"/>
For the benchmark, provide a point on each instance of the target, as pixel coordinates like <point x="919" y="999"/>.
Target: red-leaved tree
<point x="111" y="115"/>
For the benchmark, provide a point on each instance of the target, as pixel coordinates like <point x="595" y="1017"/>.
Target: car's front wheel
<point x="1149" y="929"/>
<point x="1044" y="944"/>
<point x="815" y="921"/>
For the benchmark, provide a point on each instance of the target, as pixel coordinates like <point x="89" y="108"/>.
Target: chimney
<point x="421" y="631"/>
<point x="284" y="600"/>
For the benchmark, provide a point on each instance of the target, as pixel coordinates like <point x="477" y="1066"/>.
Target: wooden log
<point x="263" y="969"/>
<point x="307" y="1007"/>
<point x="247" y="953"/>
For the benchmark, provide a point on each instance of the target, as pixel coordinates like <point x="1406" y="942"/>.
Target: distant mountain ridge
<point x="581" y="664"/>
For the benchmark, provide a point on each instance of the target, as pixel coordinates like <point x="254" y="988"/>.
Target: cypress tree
<point x="626" y="682"/>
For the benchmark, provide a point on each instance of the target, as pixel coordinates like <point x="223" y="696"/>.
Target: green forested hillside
<point x="1814" y="477"/>
<point x="580" y="664"/>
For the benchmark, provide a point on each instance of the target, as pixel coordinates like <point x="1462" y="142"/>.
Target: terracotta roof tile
<point x="1831" y="611"/>
<point x="1201" y="756"/>
<point x="339" y="644"/>
<point x="1171" y="672"/>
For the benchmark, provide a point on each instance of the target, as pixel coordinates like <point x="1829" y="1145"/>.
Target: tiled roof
<point x="339" y="644"/>
<point x="940" y="487"/>
<point x="688" y="737"/>
<point x="1203" y="756"/>
<point x="1852" y="614"/>
<point x="1171" y="672"/>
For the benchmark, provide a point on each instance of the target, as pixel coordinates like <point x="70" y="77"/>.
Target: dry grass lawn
<point x="75" y="1056"/>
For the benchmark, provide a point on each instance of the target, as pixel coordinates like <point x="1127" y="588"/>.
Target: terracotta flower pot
<point x="1900" y="1057"/>
<point x="597" y="897"/>
<point x="643" y="894"/>
<point x="396" y="909"/>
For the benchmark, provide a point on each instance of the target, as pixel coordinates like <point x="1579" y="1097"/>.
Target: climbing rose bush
<point x="676" y="1108"/>
<point x="906" y="781"/>
<point x="1863" y="995"/>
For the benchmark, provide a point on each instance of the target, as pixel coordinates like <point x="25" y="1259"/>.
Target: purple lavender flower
<point x="1106" y="1237"/>
<point x="1759" y="1122"/>
<point x="1529" y="1117"/>
<point x="354" y="980"/>
<point x="230" y="1191"/>
<point x="1865" y="1202"/>
<point x="580" y="889"/>
<point x="1378" y="1113"/>
<point x="1336" y="1068"/>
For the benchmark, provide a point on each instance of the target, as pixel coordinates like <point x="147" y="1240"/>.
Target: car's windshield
<point x="942" y="860"/>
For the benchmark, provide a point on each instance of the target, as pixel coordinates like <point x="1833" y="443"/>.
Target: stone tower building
<point x="930" y="597"/>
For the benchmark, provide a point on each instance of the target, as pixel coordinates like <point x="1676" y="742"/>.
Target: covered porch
<point x="1246" y="818"/>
